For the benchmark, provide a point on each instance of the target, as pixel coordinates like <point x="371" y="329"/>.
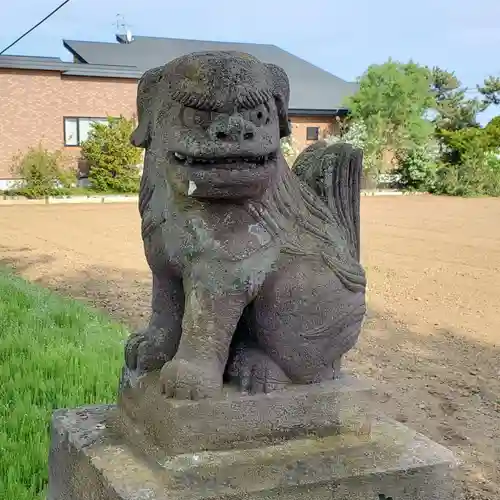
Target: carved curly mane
<point x="289" y="199"/>
<point x="292" y="199"/>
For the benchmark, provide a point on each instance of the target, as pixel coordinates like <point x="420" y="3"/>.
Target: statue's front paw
<point x="144" y="351"/>
<point x="182" y="379"/>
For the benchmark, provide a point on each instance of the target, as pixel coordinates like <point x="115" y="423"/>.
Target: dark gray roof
<point x="312" y="88"/>
<point x="67" y="68"/>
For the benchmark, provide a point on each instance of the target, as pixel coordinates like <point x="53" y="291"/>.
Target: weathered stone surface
<point x="85" y="464"/>
<point x="256" y="282"/>
<point x="88" y="462"/>
<point x="256" y="275"/>
<point x="164" y="426"/>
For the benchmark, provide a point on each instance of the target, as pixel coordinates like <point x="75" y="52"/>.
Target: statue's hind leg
<point x="305" y="319"/>
<point x="248" y="366"/>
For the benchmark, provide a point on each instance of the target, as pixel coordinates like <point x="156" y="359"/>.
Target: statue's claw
<point x="144" y="351"/>
<point x="255" y="372"/>
<point x="183" y="379"/>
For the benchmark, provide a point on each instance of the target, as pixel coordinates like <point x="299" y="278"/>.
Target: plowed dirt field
<point x="432" y="338"/>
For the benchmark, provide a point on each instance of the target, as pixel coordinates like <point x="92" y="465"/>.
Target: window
<point x="76" y="129"/>
<point x="312" y="133"/>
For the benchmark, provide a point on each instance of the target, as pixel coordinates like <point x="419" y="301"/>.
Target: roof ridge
<point x="139" y="37"/>
<point x="144" y="37"/>
<point x="67" y="40"/>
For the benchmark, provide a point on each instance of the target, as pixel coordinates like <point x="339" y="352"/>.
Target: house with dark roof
<point x="47" y="100"/>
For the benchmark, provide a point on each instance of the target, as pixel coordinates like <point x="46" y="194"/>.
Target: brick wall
<point x="327" y="126"/>
<point x="33" y="105"/>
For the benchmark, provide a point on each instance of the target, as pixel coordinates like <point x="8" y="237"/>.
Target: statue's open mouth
<point x="225" y="162"/>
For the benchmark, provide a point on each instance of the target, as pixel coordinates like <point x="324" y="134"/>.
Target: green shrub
<point x="493" y="131"/>
<point x="416" y="168"/>
<point x="42" y="173"/>
<point x="476" y="176"/>
<point x="459" y="144"/>
<point x="471" y="161"/>
<point x="113" y="160"/>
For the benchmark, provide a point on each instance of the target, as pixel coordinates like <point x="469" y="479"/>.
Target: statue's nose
<point x="233" y="128"/>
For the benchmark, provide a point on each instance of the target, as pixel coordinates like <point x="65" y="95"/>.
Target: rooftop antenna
<point x="121" y="27"/>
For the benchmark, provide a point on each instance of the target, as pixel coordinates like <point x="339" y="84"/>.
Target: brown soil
<point x="431" y="340"/>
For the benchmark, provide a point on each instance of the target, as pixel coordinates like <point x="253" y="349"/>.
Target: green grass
<point x="54" y="353"/>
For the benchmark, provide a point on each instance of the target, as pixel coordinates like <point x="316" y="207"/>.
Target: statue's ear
<point x="146" y="92"/>
<point x="140" y="136"/>
<point x="281" y="94"/>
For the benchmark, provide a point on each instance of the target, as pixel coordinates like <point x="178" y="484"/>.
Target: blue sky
<point x="341" y="37"/>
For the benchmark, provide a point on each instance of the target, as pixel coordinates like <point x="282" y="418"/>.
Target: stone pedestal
<point x="313" y="442"/>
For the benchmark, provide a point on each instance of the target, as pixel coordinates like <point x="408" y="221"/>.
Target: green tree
<point x="392" y="102"/>
<point x="493" y="130"/>
<point x="473" y="141"/>
<point x="490" y="90"/>
<point x="471" y="161"/>
<point x="113" y="160"/>
<point x="426" y="118"/>
<point x="454" y="111"/>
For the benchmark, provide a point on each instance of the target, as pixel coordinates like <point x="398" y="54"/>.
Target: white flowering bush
<point x="356" y="134"/>
<point x="417" y="167"/>
<point x="289" y="149"/>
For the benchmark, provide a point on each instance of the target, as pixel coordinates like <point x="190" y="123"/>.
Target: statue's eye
<point x="259" y="116"/>
<point x="196" y="117"/>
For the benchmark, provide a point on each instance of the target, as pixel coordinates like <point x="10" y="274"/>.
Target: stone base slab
<point x="89" y="461"/>
<point x="162" y="427"/>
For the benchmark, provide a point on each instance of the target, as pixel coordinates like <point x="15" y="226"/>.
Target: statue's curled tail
<point x="333" y="172"/>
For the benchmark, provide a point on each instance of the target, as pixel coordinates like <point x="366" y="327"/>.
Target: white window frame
<point x="78" y="119"/>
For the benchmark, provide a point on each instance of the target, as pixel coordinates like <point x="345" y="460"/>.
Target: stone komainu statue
<point x="256" y="272"/>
